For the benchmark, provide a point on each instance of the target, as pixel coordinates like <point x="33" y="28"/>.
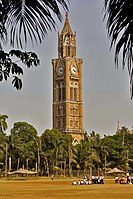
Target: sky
<point x="106" y="95"/>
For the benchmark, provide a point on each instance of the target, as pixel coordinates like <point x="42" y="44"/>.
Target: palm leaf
<point x="32" y="19"/>
<point x="120" y="29"/>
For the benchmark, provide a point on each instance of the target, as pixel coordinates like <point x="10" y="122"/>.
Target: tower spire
<point x="67" y="40"/>
<point x="66" y="27"/>
<point x="117" y="131"/>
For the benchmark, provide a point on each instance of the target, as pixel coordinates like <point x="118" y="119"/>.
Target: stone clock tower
<point x="67" y="85"/>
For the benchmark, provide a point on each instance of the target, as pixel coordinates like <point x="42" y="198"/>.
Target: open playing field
<point x="63" y="189"/>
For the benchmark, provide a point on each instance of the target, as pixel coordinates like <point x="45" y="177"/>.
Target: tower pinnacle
<point x="66" y="28"/>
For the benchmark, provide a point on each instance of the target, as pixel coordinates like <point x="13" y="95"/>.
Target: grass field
<point x="62" y="189"/>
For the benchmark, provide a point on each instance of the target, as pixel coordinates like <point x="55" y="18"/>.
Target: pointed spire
<point x="66" y="28"/>
<point x="118" y="128"/>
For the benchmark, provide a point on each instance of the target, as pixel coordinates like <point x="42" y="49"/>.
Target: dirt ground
<point x="63" y="189"/>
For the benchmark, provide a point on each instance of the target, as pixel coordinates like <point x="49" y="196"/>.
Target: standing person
<point x="101" y="179"/>
<point x="96" y="179"/>
<point x="127" y="174"/>
<point x="116" y="179"/>
<point x="93" y="179"/>
<point x="52" y="177"/>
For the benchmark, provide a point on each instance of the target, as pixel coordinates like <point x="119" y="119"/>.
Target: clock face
<point x="60" y="70"/>
<point x="74" y="70"/>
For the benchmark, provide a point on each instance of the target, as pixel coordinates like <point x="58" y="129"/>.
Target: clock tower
<point x="67" y="85"/>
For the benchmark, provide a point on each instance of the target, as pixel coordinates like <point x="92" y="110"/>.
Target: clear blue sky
<point x="106" y="97"/>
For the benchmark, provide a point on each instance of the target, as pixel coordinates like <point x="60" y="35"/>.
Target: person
<point x="128" y="179"/>
<point x="85" y="179"/>
<point x="96" y="179"/>
<point x="116" y="179"/>
<point x="81" y="182"/>
<point x="78" y="182"/>
<point x="74" y="182"/>
<point x="93" y="179"/>
<point x="52" y="177"/>
<point x="89" y="181"/>
<point x="101" y="179"/>
<point x="122" y="180"/>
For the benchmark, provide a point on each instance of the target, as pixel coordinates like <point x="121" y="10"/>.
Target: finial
<point x="66" y="27"/>
<point x="66" y="14"/>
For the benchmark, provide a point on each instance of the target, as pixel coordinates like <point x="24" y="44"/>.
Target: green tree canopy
<point x="23" y="137"/>
<point x="3" y="123"/>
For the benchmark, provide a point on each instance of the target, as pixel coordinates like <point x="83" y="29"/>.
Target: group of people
<point x="98" y="179"/>
<point x="93" y="180"/>
<point x="124" y="180"/>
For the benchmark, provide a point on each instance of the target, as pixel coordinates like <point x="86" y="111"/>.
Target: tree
<point x="56" y="151"/>
<point x="85" y="154"/>
<point x="120" y="29"/>
<point x="51" y="142"/>
<point x="3" y="151"/>
<point x="23" y="138"/>
<point x="3" y="123"/>
<point x="21" y="21"/>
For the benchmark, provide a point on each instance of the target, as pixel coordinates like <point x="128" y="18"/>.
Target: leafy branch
<point x="10" y="68"/>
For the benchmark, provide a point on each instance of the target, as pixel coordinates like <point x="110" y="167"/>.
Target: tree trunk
<point x="6" y="161"/>
<point x="61" y="168"/>
<point x="64" y="168"/>
<point x="36" y="165"/>
<point x="90" y="171"/>
<point x="18" y="163"/>
<point x="38" y="158"/>
<point x="69" y="164"/>
<point x="27" y="161"/>
<point x="47" y="166"/>
<point x="56" y="159"/>
<point x="105" y="164"/>
<point x="10" y="163"/>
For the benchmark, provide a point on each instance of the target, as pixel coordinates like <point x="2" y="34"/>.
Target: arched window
<point x="71" y="91"/>
<point x="60" y="91"/>
<point x="71" y="110"/>
<point x="74" y="91"/>
<point x="58" y="110"/>
<point x="63" y="122"/>
<point x="57" y="123"/>
<point x="76" y="94"/>
<point x="71" y="122"/>
<point x="76" y="122"/>
<point x="76" y="111"/>
<point x="63" y="110"/>
<point x="63" y="91"/>
<point x="67" y="46"/>
<point x="57" y="92"/>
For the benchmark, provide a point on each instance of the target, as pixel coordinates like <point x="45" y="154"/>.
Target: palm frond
<point x="55" y="168"/>
<point x="28" y="19"/>
<point x="120" y="29"/>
